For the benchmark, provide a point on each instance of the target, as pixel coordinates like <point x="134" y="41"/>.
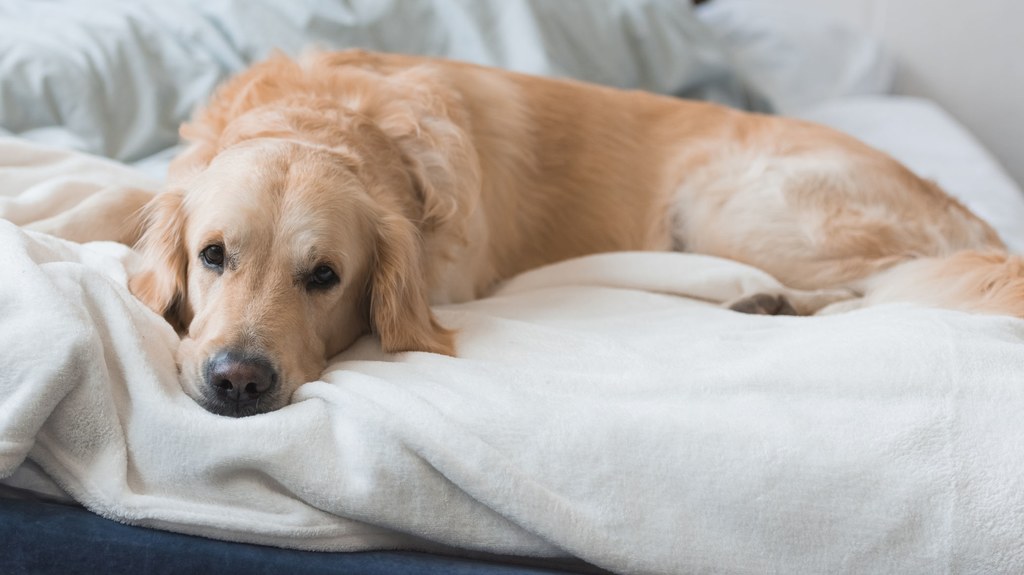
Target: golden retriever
<point x="344" y="193"/>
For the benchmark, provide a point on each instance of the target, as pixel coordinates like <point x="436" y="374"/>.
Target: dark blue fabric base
<point x="41" y="538"/>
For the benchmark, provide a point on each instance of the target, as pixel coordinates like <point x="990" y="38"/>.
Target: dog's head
<point x="279" y="252"/>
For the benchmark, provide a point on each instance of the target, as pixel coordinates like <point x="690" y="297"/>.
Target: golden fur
<point x="426" y="181"/>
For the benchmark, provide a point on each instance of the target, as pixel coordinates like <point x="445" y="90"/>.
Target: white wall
<point x="966" y="55"/>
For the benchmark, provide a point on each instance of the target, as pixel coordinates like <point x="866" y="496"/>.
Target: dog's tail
<point x="969" y="280"/>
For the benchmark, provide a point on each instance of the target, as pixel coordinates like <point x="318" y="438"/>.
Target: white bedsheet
<point x="600" y="408"/>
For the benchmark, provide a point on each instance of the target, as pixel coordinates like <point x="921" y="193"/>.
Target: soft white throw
<point x="603" y="408"/>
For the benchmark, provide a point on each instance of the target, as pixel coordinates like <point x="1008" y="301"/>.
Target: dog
<point x="343" y="193"/>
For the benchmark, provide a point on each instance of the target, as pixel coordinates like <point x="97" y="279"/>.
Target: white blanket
<point x="601" y="408"/>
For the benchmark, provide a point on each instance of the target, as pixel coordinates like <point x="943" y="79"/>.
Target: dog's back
<point x="535" y="170"/>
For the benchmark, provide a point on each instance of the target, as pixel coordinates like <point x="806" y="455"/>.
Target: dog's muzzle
<point x="239" y="384"/>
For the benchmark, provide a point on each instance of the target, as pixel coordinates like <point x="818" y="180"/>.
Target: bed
<point x="604" y="414"/>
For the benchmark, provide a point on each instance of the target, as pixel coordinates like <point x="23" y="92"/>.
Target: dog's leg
<point x="108" y="215"/>
<point x="789" y="301"/>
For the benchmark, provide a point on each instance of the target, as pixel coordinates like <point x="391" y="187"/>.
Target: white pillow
<point x="797" y="58"/>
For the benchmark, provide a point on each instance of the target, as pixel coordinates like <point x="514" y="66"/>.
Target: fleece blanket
<point x="604" y="408"/>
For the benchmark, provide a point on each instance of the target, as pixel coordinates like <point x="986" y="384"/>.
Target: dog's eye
<point x="323" y="277"/>
<point x="213" y="256"/>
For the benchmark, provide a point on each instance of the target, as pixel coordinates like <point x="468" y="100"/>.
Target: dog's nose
<point x="239" y="381"/>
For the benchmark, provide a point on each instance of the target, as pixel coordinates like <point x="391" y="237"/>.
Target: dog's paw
<point x="763" y="304"/>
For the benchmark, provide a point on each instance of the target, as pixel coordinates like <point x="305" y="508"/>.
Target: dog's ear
<point x="435" y="180"/>
<point x="436" y="152"/>
<point x="399" y="306"/>
<point x="161" y="284"/>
